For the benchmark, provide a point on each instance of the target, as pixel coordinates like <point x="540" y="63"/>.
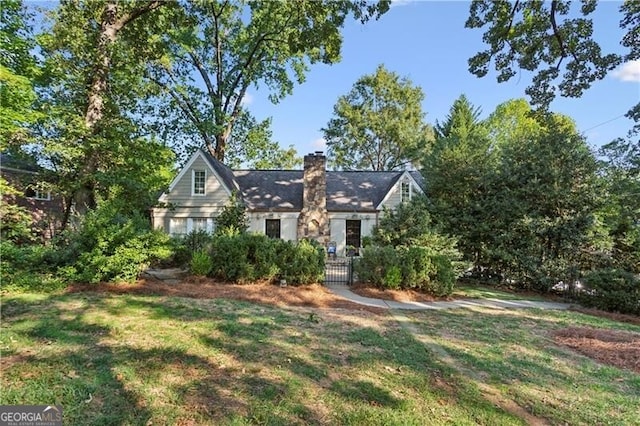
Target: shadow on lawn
<point x="273" y="379"/>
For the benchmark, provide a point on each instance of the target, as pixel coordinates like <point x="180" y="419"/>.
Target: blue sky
<point x="427" y="42"/>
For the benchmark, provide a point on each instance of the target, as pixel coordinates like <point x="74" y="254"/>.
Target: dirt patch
<point x="616" y="348"/>
<point x="631" y="319"/>
<point x="397" y="295"/>
<point x="314" y="296"/>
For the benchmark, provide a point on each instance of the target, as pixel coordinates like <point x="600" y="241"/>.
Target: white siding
<point x="339" y="223"/>
<point x="288" y="224"/>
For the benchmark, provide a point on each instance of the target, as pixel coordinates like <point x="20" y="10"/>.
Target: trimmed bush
<point x="407" y="267"/>
<point x="253" y="257"/>
<point x="612" y="290"/>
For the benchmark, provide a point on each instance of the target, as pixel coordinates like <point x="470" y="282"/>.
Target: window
<point x="200" y="224"/>
<point x="199" y="179"/>
<point x="353" y="228"/>
<point x="37" y="194"/>
<point x="272" y="228"/>
<point x="406" y="191"/>
<point x="182" y="225"/>
<point x="178" y="226"/>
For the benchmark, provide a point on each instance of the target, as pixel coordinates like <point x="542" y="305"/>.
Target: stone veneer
<point x="313" y="222"/>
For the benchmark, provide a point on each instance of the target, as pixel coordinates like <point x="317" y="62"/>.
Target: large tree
<point x="17" y="71"/>
<point x="555" y="39"/>
<point x="378" y="125"/>
<point x="456" y="172"/>
<point x="90" y="83"/>
<point x="217" y="50"/>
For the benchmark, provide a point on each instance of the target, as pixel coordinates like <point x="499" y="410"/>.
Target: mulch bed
<point x="617" y="348"/>
<point x="314" y="296"/>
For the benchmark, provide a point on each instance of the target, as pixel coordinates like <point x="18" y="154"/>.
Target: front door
<point x="353" y="233"/>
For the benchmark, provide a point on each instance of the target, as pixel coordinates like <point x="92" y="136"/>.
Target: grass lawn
<point x="144" y="359"/>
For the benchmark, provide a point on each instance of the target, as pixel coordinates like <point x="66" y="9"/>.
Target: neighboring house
<point x="327" y="206"/>
<point x="45" y="208"/>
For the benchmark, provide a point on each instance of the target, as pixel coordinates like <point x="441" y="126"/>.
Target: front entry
<point x="353" y="233"/>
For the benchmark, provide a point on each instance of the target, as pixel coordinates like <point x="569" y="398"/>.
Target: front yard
<point x="147" y="359"/>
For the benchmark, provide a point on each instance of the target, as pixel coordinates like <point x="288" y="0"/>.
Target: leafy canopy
<point x="216" y="51"/>
<point x="378" y="125"/>
<point x="555" y="39"/>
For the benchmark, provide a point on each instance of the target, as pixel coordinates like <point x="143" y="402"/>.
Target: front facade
<point x="331" y="207"/>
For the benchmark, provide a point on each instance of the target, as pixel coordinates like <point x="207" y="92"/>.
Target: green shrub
<point x="300" y="263"/>
<point x="612" y="290"/>
<point x="201" y="263"/>
<point x="251" y="257"/>
<point x="392" y="277"/>
<point x="27" y="268"/>
<point x="372" y="267"/>
<point x="112" y="246"/>
<point x="184" y="247"/>
<point x="408" y="267"/>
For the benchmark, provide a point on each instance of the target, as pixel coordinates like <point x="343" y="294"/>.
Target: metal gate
<point x="338" y="271"/>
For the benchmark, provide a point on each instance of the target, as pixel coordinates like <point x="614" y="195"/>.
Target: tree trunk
<point x="85" y="196"/>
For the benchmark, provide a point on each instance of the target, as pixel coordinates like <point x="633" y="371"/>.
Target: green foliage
<point x="407" y="252"/>
<point x="457" y="171"/>
<point x="112" y="246"/>
<point x="416" y="267"/>
<point x="15" y="221"/>
<point x="519" y="191"/>
<point x="392" y="277"/>
<point x="28" y="268"/>
<point x="201" y="263"/>
<point x="378" y="125"/>
<point x="251" y="146"/>
<point x="234" y="45"/>
<point x="254" y="257"/>
<point x="620" y="207"/>
<point x="612" y="290"/>
<point x="554" y="39"/>
<point x="233" y="217"/>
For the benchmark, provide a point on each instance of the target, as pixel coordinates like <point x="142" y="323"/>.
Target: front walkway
<point x="343" y="291"/>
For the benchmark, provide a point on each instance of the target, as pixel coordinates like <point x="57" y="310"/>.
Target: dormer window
<point x="199" y="178"/>
<point x="37" y="194"/>
<point x="406" y="191"/>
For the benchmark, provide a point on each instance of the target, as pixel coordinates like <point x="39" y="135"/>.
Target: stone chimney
<point x="313" y="222"/>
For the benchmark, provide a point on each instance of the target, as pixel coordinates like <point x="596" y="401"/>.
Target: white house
<point x="328" y="206"/>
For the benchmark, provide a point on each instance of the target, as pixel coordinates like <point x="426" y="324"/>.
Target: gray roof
<point x="282" y="190"/>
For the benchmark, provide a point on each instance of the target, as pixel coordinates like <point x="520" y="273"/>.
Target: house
<point x="337" y="207"/>
<point x="45" y="208"/>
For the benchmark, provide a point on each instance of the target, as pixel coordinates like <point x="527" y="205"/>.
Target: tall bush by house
<point x="407" y="252"/>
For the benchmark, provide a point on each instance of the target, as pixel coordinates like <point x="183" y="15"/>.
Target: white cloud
<point x="247" y="99"/>
<point x="319" y="144"/>
<point x="629" y="71"/>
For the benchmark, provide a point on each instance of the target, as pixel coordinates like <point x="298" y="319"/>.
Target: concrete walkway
<point x="343" y="291"/>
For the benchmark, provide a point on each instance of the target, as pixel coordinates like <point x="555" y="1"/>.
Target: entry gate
<point x="338" y="271"/>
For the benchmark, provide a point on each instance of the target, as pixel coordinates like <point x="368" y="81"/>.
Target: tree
<point x="217" y="50"/>
<point x="544" y="200"/>
<point x="251" y="146"/>
<point x="17" y="70"/>
<point x="91" y="65"/>
<point x="456" y="172"/>
<point x="620" y="210"/>
<point x="540" y="36"/>
<point x="378" y="125"/>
